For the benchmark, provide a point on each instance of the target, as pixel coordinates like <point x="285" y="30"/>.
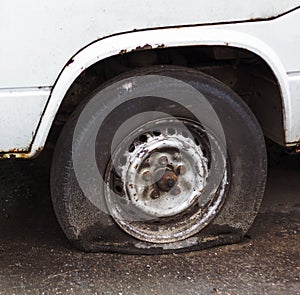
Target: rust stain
<point x="255" y="19"/>
<point x="167" y="181"/>
<point x="139" y="48"/>
<point x="19" y="154"/>
<point x="39" y="149"/>
<point x="14" y="155"/>
<point x="145" y="47"/>
<point x="123" y="51"/>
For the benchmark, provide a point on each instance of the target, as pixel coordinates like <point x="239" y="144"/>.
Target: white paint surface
<point x="20" y="113"/>
<point x="38" y="38"/>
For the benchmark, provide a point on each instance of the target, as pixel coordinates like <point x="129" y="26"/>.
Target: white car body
<point x="45" y="45"/>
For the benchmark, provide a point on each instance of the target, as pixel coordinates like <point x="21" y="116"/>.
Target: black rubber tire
<point x="90" y="229"/>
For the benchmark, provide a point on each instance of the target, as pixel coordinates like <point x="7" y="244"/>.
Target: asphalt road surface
<point x="36" y="258"/>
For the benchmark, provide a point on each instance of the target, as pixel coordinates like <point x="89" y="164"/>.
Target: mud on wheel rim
<point x="162" y="185"/>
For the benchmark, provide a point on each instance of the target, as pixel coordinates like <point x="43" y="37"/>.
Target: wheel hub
<point x="153" y="186"/>
<point x="167" y="180"/>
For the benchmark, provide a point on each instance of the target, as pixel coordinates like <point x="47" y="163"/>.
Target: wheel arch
<point x="153" y="39"/>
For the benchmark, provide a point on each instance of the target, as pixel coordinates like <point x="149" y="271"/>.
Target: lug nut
<point x="154" y="195"/>
<point x="163" y="160"/>
<point x="176" y="191"/>
<point x="181" y="169"/>
<point x="146" y="176"/>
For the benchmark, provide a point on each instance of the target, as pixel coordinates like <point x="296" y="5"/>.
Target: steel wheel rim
<point x="171" y="216"/>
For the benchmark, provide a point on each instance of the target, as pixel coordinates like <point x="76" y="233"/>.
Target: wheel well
<point x="243" y="71"/>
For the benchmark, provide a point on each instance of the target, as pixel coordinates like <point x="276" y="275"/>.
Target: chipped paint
<point x="69" y="62"/>
<point x="144" y="47"/>
<point x="123" y="51"/>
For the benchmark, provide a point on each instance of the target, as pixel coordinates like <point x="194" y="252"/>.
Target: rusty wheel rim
<point x="157" y="178"/>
